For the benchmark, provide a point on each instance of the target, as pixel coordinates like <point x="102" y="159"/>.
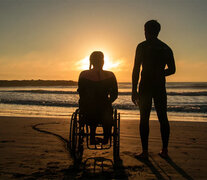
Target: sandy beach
<point x="27" y="152"/>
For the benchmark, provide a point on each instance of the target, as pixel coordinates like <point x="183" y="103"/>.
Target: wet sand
<point x="27" y="152"/>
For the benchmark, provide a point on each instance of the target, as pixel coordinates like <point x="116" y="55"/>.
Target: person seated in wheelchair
<point x="97" y="90"/>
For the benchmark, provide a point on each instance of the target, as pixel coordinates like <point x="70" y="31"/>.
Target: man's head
<point x="152" y="29"/>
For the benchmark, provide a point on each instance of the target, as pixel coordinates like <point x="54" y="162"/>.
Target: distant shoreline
<point x="50" y="83"/>
<point x="15" y="83"/>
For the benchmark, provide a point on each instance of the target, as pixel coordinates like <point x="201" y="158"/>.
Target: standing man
<point x="153" y="55"/>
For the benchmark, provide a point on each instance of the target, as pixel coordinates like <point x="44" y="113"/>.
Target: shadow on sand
<point x="171" y="163"/>
<point x="178" y="169"/>
<point x="93" y="168"/>
<point x="156" y="169"/>
<point x="153" y="169"/>
<point x="96" y="168"/>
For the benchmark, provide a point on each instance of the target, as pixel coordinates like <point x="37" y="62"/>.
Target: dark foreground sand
<point x="28" y="154"/>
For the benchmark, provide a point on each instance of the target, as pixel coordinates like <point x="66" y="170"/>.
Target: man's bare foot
<point x="143" y="156"/>
<point x="164" y="153"/>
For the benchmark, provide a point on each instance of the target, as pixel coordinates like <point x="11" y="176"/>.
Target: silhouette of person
<point x="153" y="56"/>
<point x="97" y="90"/>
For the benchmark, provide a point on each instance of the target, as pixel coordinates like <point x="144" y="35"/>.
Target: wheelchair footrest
<point x="99" y="147"/>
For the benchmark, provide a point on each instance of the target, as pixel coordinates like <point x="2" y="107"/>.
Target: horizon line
<point x="77" y="81"/>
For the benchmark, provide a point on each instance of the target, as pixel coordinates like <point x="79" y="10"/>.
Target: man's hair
<point x="152" y="27"/>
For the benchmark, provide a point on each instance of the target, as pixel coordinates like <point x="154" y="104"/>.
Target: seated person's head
<point x="152" y="29"/>
<point x="97" y="60"/>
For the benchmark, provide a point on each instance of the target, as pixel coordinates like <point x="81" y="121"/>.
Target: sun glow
<point x="108" y="63"/>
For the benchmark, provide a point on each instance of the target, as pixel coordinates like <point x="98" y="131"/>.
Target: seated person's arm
<point x="114" y="89"/>
<point x="80" y="84"/>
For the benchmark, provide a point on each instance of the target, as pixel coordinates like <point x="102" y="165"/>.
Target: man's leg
<point x="160" y="101"/>
<point x="145" y="104"/>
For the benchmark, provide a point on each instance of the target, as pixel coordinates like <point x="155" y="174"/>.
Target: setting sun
<point x="108" y="63"/>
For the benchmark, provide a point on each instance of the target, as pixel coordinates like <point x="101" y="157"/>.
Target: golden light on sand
<point x="109" y="64"/>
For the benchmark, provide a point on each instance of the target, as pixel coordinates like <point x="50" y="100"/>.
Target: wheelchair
<point x="79" y="131"/>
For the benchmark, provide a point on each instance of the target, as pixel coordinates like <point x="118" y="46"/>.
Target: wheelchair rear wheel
<point x="76" y="136"/>
<point x="116" y="137"/>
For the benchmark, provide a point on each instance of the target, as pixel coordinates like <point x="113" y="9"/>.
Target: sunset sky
<point x="52" y="39"/>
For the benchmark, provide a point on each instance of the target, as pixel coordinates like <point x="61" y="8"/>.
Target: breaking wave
<point x="200" y="93"/>
<point x="202" y="108"/>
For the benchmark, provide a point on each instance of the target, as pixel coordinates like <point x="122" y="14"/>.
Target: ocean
<point x="186" y="101"/>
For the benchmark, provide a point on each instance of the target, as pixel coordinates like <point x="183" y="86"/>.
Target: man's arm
<point x="170" y="64"/>
<point x="135" y="74"/>
<point x="136" y="69"/>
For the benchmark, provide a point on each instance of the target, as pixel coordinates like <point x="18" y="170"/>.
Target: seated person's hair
<point x="96" y="59"/>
